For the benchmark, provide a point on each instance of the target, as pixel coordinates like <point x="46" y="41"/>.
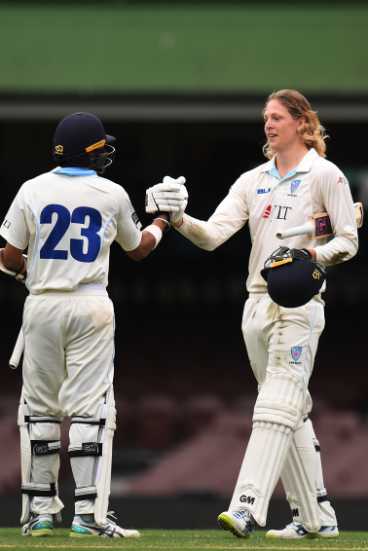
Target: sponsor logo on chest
<point x="263" y="190"/>
<point x="276" y="212"/>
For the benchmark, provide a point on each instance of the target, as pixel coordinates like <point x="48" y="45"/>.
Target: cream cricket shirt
<point x="272" y="204"/>
<point x="68" y="219"/>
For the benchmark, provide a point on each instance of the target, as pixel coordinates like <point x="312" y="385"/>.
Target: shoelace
<point x="111" y="516"/>
<point x="242" y="515"/>
<point x="299" y="528"/>
<point x="111" y="523"/>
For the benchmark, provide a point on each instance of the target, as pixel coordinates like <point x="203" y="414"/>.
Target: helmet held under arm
<point x="293" y="278"/>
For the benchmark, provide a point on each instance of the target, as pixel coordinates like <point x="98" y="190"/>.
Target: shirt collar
<point x="74" y="171"/>
<point x="304" y="166"/>
<point x="306" y="163"/>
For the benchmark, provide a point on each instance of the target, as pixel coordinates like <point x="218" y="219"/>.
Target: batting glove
<point x="169" y="196"/>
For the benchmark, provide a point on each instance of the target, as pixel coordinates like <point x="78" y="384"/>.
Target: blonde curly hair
<point x="311" y="131"/>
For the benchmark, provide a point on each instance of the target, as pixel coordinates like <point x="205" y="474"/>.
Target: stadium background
<point x="182" y="86"/>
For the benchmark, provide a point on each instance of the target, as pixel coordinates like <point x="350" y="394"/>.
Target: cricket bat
<point x="17" y="351"/>
<point x="319" y="226"/>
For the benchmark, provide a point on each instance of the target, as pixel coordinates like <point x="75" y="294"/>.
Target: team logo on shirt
<point x="293" y="187"/>
<point x="263" y="190"/>
<point x="296" y="352"/>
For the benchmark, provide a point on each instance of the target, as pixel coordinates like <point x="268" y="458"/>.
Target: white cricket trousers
<point x="282" y="338"/>
<point x="281" y="345"/>
<point x="69" y="352"/>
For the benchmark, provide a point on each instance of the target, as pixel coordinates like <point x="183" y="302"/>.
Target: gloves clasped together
<point x="170" y="196"/>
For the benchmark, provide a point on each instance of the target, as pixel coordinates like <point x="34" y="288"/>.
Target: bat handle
<point x="17" y="351"/>
<point x="306" y="229"/>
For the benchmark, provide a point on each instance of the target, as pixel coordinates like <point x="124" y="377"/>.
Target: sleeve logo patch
<point x="136" y="220"/>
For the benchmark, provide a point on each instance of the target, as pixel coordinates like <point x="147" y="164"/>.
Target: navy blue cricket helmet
<point x="80" y="140"/>
<point x="293" y="278"/>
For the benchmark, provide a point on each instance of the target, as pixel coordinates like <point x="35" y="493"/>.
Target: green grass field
<point x="183" y="540"/>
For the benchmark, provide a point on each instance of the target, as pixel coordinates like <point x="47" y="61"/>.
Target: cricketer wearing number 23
<point x="67" y="219"/>
<point x="282" y="338"/>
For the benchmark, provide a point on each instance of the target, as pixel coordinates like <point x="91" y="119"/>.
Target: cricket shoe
<point x="85" y="525"/>
<point x="296" y="531"/>
<point x="240" y="523"/>
<point x="38" y="526"/>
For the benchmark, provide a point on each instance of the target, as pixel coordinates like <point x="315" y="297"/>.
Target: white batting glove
<point x="169" y="196"/>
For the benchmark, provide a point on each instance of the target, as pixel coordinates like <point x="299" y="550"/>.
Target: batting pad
<point x="299" y="478"/>
<point x="281" y="399"/>
<point x="261" y="468"/>
<point x="326" y="511"/>
<point x="90" y="451"/>
<point x="103" y="476"/>
<point x="40" y="463"/>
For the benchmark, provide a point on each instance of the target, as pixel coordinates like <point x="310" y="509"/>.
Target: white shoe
<point x="328" y="532"/>
<point x="296" y="531"/>
<point x="84" y="525"/>
<point x="240" y="523"/>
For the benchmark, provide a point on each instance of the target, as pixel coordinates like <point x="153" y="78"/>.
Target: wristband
<point x="156" y="232"/>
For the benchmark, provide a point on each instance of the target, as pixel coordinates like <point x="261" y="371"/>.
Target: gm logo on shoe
<point x="247" y="499"/>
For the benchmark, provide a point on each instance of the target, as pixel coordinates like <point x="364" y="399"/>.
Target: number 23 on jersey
<point x="87" y="216"/>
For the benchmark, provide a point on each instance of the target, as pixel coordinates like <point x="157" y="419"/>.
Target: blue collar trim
<point x="275" y="173"/>
<point x="74" y="171"/>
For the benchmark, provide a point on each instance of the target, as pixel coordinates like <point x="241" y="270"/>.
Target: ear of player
<point x="292" y="277"/>
<point x="170" y="196"/>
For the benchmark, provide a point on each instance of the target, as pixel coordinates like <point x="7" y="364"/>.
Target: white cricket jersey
<point x="68" y="218"/>
<point x="272" y="204"/>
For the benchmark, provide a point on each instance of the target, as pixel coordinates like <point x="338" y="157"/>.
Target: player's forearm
<point x="340" y="249"/>
<point x="344" y="223"/>
<point x="150" y="238"/>
<point x="12" y="258"/>
<point x="203" y="234"/>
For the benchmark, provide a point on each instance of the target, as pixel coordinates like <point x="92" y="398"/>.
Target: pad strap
<point x="35" y="419"/>
<point x="44" y="490"/>
<point x="86" y="492"/>
<point x="88" y="421"/>
<point x="85" y="449"/>
<point x="45" y="447"/>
